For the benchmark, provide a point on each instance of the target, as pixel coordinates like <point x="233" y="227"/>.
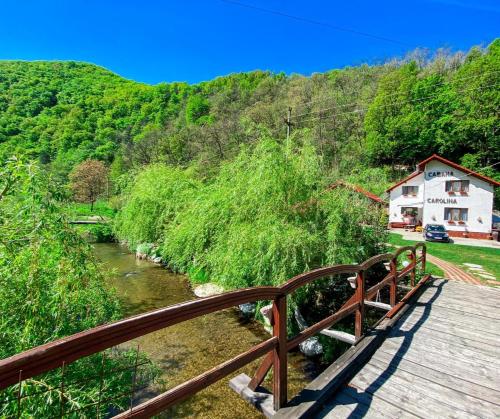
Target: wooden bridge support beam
<point x="280" y="353"/>
<point x="360" y="297"/>
<point x="394" y="283"/>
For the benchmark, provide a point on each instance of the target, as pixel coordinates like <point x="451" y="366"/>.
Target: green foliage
<point x="260" y="221"/>
<point x="446" y="108"/>
<point x="50" y="287"/>
<point x="197" y="108"/>
<point x="100" y="233"/>
<point x="155" y="196"/>
<point x="65" y="112"/>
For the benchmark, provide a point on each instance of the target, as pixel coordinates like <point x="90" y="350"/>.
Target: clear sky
<point x="194" y="40"/>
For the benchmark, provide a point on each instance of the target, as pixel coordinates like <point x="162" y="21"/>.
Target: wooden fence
<point x="56" y="354"/>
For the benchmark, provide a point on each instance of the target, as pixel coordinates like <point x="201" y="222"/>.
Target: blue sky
<point x="154" y="41"/>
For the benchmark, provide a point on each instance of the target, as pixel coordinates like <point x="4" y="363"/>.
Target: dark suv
<point x="436" y="232"/>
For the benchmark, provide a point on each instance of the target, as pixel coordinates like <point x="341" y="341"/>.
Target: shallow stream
<point x="191" y="348"/>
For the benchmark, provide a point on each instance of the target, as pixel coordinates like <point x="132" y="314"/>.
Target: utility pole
<point x="288" y="123"/>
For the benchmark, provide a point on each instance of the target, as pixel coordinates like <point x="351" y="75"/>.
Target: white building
<point x="443" y="192"/>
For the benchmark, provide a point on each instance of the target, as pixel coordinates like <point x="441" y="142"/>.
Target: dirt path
<point x="451" y="271"/>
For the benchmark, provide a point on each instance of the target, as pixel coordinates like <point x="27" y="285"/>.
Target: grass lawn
<point x="458" y="254"/>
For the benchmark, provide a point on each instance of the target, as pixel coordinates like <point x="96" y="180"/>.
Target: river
<point x="190" y="348"/>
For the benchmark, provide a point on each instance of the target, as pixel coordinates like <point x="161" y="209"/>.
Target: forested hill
<point x="397" y="113"/>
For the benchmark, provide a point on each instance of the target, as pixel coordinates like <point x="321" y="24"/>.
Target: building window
<point x="456" y="215"/>
<point x="409" y="211"/>
<point x="457" y="186"/>
<point x="410" y="190"/>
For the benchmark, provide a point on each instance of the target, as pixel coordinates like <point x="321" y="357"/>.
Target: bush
<point x="101" y="233"/>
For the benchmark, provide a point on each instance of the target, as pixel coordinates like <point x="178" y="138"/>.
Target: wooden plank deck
<point x="442" y="359"/>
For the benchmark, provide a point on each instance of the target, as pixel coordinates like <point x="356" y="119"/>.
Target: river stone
<point x="300" y="319"/>
<point x="157" y="259"/>
<point x="207" y="290"/>
<point x="267" y="313"/>
<point x="311" y="347"/>
<point x="248" y="308"/>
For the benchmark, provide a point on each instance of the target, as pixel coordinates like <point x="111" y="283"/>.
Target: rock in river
<point x="248" y="309"/>
<point x="207" y="290"/>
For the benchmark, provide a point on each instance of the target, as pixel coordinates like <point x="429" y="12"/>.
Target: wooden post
<point x="288" y="123"/>
<point x="280" y="353"/>
<point x="360" y="297"/>
<point x="413" y="258"/>
<point x="394" y="283"/>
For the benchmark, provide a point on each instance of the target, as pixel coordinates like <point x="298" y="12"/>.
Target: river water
<point x="191" y="348"/>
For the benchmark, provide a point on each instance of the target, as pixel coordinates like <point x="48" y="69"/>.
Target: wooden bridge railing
<point x="55" y="354"/>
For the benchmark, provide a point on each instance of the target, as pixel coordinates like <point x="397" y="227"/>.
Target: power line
<point x="318" y="23"/>
<point x="389" y="95"/>
<point x="360" y="110"/>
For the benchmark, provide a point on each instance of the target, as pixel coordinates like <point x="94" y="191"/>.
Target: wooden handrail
<point x="66" y="350"/>
<point x="303" y="279"/>
<point x="367" y="264"/>
<point x="51" y="355"/>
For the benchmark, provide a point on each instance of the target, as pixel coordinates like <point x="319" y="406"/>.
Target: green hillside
<point x="397" y="113"/>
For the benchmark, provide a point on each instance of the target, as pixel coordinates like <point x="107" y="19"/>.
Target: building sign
<point x="442" y="201"/>
<point x="444" y="173"/>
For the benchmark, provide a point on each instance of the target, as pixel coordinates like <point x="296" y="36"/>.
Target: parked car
<point x="436" y="232"/>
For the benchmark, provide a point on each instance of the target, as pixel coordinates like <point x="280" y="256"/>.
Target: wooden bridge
<point x="436" y="357"/>
<point x="440" y="358"/>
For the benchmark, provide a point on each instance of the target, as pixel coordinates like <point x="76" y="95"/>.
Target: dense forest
<point x="392" y="114"/>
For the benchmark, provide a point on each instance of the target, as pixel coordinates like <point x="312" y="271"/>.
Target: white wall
<point x="398" y="200"/>
<point x="479" y="200"/>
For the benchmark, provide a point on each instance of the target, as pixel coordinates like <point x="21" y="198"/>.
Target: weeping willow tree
<point x="152" y="200"/>
<point x="262" y="219"/>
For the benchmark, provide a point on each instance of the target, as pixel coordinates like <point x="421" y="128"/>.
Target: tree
<point x="197" y="108"/>
<point x="89" y="180"/>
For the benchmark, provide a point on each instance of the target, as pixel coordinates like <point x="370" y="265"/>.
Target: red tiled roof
<point x="416" y="173"/>
<point x="301" y="206"/>
<point x="357" y="188"/>
<point x="421" y="168"/>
